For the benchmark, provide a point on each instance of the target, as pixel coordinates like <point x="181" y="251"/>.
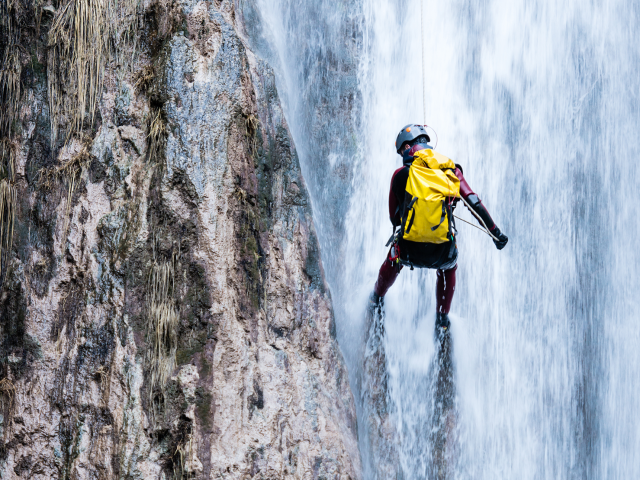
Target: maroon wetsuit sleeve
<point x="394" y="207"/>
<point x="474" y="201"/>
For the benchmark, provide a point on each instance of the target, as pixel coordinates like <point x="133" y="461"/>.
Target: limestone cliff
<point x="163" y="310"/>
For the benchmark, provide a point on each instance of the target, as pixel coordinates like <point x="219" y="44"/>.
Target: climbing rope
<point x="424" y="112"/>
<point x="424" y="72"/>
<point x="485" y="229"/>
<point x="436" y="134"/>
<point x="424" y="64"/>
<point x="469" y="223"/>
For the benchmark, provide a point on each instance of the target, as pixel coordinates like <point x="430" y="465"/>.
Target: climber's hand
<point x="502" y="238"/>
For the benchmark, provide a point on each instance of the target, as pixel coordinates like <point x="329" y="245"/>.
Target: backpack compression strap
<point x="444" y="214"/>
<point x="415" y="199"/>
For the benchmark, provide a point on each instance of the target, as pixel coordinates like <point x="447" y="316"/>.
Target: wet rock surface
<point x="434" y="449"/>
<point x="380" y="429"/>
<point x="164" y="312"/>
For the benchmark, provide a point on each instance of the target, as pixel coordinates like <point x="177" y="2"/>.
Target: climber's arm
<point x="395" y="206"/>
<point x="473" y="201"/>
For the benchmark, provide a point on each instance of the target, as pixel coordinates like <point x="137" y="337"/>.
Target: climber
<point x="437" y="174"/>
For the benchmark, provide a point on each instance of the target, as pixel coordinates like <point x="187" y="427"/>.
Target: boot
<point x="375" y="313"/>
<point x="375" y="301"/>
<point x="442" y="322"/>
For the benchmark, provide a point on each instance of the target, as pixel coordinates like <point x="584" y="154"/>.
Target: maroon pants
<point x="445" y="285"/>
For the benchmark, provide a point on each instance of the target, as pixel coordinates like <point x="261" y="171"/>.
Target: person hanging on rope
<point x="424" y="192"/>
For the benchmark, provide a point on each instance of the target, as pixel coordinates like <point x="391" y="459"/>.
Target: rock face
<point x="163" y="311"/>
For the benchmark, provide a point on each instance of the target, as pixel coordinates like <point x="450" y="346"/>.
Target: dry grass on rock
<point x="157" y="134"/>
<point x="80" y="43"/>
<point x="162" y="323"/>
<point x="69" y="172"/>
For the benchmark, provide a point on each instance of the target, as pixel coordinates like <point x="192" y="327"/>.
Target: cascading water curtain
<point x="539" y="102"/>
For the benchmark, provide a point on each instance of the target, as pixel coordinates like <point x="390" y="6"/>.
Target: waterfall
<point x="539" y="102"/>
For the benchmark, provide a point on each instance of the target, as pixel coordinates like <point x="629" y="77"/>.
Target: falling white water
<point x="539" y="101"/>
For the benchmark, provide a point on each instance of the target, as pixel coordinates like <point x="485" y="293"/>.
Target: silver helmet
<point x="409" y="134"/>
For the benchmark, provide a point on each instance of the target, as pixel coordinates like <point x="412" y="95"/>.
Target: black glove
<point x="502" y="238"/>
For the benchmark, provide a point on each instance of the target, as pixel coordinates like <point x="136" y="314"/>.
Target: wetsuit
<point x="443" y="256"/>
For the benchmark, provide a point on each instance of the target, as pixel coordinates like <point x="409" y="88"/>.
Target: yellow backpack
<point x="430" y="191"/>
